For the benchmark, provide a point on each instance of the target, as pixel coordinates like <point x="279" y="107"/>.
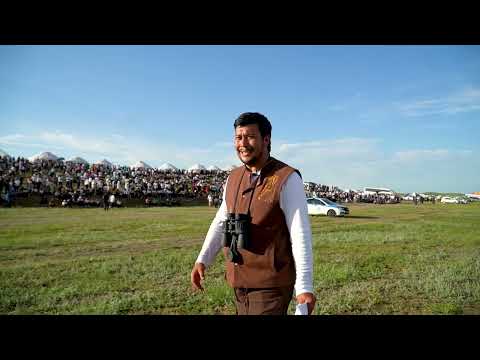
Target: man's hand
<point x="308" y="298"/>
<point x="197" y="275"/>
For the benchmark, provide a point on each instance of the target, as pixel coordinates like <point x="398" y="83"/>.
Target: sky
<point x="401" y="117"/>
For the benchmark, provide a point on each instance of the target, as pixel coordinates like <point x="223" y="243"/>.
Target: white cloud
<point x="429" y="155"/>
<point x="354" y="101"/>
<point x="360" y="162"/>
<point x="345" y="162"/>
<point x="118" y="137"/>
<point x="465" y="101"/>
<point x="119" y="149"/>
<point x="85" y="144"/>
<point x="223" y="144"/>
<point x="347" y="148"/>
<point x="19" y="140"/>
<point x="7" y="139"/>
<point x="339" y="107"/>
<point x="416" y="155"/>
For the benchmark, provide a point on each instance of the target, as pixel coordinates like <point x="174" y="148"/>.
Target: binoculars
<point x="237" y="230"/>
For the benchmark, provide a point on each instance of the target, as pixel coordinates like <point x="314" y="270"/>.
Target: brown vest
<point x="268" y="262"/>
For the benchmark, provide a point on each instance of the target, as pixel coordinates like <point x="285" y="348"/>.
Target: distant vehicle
<point x="410" y="197"/>
<point x="449" y="200"/>
<point x="323" y="206"/>
<point x="473" y="196"/>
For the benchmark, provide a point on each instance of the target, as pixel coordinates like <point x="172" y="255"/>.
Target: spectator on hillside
<point x="111" y="200"/>
<point x="8" y="199"/>
<point x="105" y="201"/>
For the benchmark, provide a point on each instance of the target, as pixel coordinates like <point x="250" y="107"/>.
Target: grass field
<point x="383" y="259"/>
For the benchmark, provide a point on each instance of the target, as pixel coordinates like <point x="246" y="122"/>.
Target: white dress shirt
<point x="294" y="206"/>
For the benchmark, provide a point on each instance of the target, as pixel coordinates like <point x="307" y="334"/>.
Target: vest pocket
<point x="261" y="238"/>
<point x="255" y="262"/>
<point x="261" y="253"/>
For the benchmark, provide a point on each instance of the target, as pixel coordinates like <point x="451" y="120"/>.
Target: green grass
<point x="383" y="259"/>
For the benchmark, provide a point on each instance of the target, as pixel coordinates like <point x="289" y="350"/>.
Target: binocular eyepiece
<point x="237" y="229"/>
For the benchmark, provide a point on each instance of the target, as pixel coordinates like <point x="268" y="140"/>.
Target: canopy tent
<point x="44" y="156"/>
<point x="214" y="168"/>
<point x="350" y="190"/>
<point x="140" y="165"/>
<point x="418" y="195"/>
<point x="4" y="154"/>
<point x="78" y="160"/>
<point x="378" y="190"/>
<point x="474" y="195"/>
<point x="230" y="168"/>
<point x="104" y="162"/>
<point x="196" y="168"/>
<point x="167" y="166"/>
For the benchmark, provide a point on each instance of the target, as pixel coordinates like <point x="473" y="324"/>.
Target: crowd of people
<point x="68" y="183"/>
<point x="78" y="184"/>
<point x="349" y="196"/>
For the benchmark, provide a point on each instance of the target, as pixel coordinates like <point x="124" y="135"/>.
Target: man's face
<point x="249" y="144"/>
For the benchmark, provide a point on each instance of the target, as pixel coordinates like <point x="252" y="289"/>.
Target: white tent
<point x="196" y="168"/>
<point x="168" y="166"/>
<point x="230" y="168"/>
<point x="140" y="165"/>
<point x="43" y="156"/>
<point x="214" y="168"/>
<point x="4" y="154"/>
<point x="378" y="190"/>
<point x="104" y="162"/>
<point x="78" y="160"/>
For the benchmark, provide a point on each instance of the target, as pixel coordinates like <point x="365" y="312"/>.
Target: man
<point x="111" y="200"/>
<point x="105" y="201"/>
<point x="277" y="258"/>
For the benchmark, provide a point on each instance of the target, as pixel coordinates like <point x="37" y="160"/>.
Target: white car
<point x="323" y="206"/>
<point x="449" y="200"/>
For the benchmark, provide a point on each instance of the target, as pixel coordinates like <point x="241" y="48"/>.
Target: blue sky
<point x="404" y="117"/>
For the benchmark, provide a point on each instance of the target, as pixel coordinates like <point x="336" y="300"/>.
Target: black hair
<point x="250" y="118"/>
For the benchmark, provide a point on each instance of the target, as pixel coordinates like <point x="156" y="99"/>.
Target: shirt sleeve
<point x="294" y="205"/>
<point x="213" y="239"/>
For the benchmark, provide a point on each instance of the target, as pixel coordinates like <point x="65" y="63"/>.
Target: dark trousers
<point x="269" y="301"/>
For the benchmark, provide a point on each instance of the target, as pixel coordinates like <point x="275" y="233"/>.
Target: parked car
<point x="449" y="200"/>
<point x="323" y="206"/>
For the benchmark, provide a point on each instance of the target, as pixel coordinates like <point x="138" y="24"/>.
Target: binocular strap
<point x="233" y="253"/>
